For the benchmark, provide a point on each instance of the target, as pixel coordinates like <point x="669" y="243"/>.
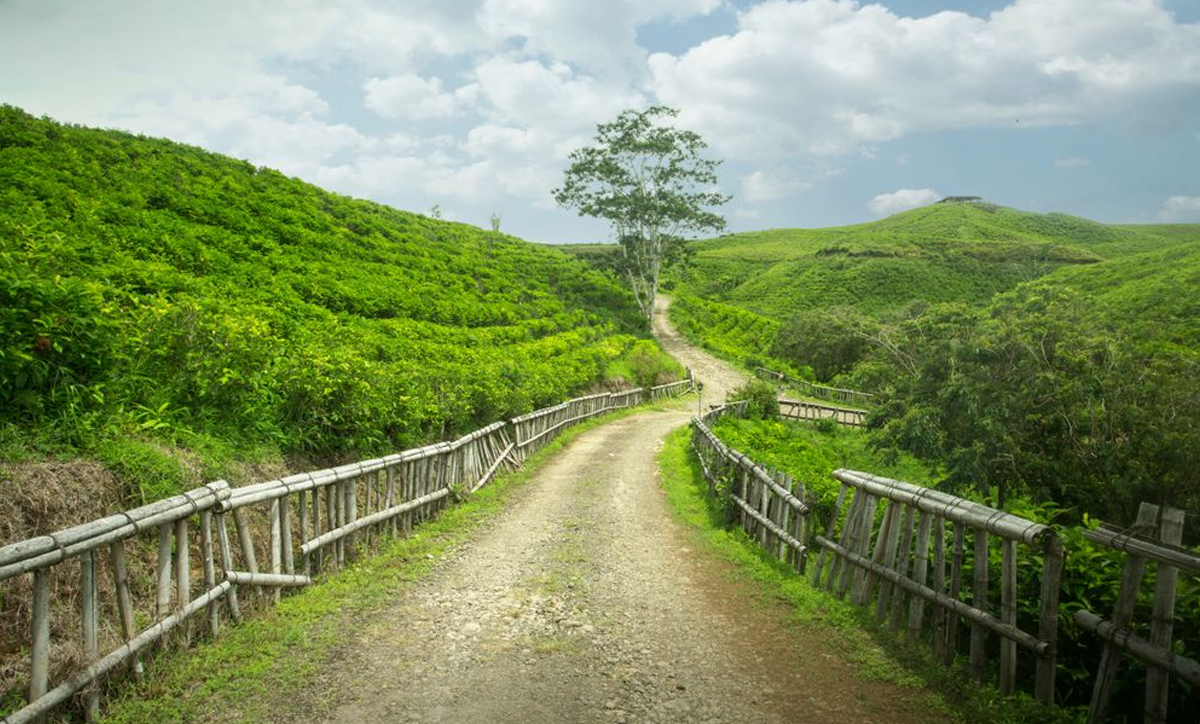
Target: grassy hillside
<point x="1026" y="354"/>
<point x="156" y="298"/>
<point x="863" y="274"/>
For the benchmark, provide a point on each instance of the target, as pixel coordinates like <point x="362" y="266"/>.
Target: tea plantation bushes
<point x="743" y="337"/>
<point x="156" y="297"/>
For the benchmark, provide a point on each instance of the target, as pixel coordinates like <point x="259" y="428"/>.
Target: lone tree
<point x="650" y="182"/>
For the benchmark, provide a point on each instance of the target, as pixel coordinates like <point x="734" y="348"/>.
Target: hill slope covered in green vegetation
<point x="1031" y="355"/>
<point x="155" y="296"/>
<point x="855" y="277"/>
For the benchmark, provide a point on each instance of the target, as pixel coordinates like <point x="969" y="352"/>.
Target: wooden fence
<point x="796" y="410"/>
<point x="888" y="557"/>
<point x="285" y="532"/>
<point x="771" y="506"/>
<point x="672" y="389"/>
<point x="84" y="546"/>
<point x="821" y="392"/>
<point x="1140" y="546"/>
<point x="925" y="560"/>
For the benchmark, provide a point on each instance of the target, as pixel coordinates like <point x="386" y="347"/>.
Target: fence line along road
<point x="821" y="392"/>
<point x="885" y="557"/>
<point x="286" y="531"/>
<point x="771" y="506"/>
<point x="797" y="410"/>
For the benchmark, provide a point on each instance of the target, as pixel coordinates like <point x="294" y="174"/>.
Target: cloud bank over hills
<point x="474" y="104"/>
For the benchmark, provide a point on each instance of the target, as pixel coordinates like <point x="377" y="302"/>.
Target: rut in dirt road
<point x="586" y="602"/>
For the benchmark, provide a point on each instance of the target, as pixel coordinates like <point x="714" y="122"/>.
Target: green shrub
<point x="762" y="399"/>
<point x="146" y="471"/>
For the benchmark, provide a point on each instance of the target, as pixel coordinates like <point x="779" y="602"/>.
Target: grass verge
<point x="273" y="661"/>
<point x="852" y="634"/>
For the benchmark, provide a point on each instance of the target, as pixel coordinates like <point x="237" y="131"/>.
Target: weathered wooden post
<point x="91" y="645"/>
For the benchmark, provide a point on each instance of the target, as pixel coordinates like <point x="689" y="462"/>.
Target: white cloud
<point x="594" y="35"/>
<point x="410" y="96"/>
<point x="1072" y="162"/>
<point x="901" y="200"/>
<point x="531" y="93"/>
<point x="1179" y="209"/>
<point x="770" y="185"/>
<point x="828" y="76"/>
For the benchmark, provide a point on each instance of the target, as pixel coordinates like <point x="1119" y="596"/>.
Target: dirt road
<point x="585" y="602"/>
<point x="718" y="377"/>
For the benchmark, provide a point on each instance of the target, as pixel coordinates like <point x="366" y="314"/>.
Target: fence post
<point x="91" y="646"/>
<point x="1166" y="577"/>
<point x="1048" y="621"/>
<point x="1131" y="581"/>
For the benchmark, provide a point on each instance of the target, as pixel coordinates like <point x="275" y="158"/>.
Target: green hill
<point x="944" y="253"/>
<point x="156" y="297"/>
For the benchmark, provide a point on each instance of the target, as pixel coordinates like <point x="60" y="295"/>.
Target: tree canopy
<point x="648" y="180"/>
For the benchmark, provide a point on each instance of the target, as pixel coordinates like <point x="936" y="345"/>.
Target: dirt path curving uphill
<point x="717" y="376"/>
<point x="586" y="602"/>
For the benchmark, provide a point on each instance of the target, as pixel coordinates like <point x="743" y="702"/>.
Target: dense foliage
<point x="153" y="295"/>
<point x="1078" y="388"/>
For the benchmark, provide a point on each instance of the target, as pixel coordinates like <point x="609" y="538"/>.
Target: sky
<point x="823" y="112"/>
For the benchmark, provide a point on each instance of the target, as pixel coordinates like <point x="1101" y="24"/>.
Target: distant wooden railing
<point x="1140" y="546"/>
<point x="896" y="570"/>
<point x="821" y="392"/>
<point x="672" y="389"/>
<point x="797" y="410"/>
<point x="287" y="531"/>
<point x="771" y="506"/>
<point x="534" y="430"/>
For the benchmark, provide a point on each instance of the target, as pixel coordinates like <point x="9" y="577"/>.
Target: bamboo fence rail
<point x="1140" y="547"/>
<point x="85" y="545"/>
<point x="890" y="555"/>
<point x="286" y="531"/>
<point x="896" y="570"/>
<point x="821" y="392"/>
<point x="796" y="410"/>
<point x="672" y="389"/>
<point x="770" y="505"/>
<point x="925" y="560"/>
